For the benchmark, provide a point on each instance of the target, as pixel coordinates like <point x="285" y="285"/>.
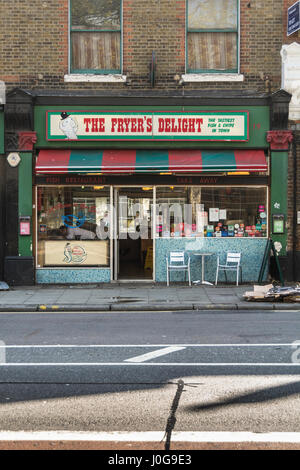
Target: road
<point x="205" y="378"/>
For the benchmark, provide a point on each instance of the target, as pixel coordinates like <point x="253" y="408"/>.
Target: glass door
<point x="133" y="233"/>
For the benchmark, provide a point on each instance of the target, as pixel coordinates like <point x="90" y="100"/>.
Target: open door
<point x="133" y="251"/>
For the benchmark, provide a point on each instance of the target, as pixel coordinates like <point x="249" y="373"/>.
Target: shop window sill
<point x="212" y="77"/>
<point x="86" y="77"/>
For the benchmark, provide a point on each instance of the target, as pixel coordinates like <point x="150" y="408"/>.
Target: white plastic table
<point x="202" y="254"/>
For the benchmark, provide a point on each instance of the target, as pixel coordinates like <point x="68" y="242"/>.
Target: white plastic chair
<point x="233" y="264"/>
<point x="176" y="261"/>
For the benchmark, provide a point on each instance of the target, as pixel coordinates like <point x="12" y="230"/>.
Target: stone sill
<point x="212" y="77"/>
<point x="85" y="77"/>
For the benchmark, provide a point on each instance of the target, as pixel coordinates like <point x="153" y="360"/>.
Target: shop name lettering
<point x="75" y="180"/>
<point x="142" y="125"/>
<point x="134" y="125"/>
<point x="103" y="180"/>
<point x="202" y="180"/>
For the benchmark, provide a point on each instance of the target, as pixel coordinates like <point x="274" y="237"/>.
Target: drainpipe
<point x="294" y="244"/>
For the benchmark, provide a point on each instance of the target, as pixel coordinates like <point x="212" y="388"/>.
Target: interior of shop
<point x="135" y="240"/>
<point x="77" y="226"/>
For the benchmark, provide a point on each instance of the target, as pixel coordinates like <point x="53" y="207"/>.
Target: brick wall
<point x="34" y="52"/>
<point x="34" y="48"/>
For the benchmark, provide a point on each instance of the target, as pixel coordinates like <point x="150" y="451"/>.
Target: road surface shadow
<point x="258" y="396"/>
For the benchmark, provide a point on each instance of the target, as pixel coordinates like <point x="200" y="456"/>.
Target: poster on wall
<point x="202" y="220"/>
<point x="223" y="214"/>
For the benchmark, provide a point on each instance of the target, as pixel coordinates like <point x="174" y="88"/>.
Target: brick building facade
<point x="35" y="51"/>
<point x="36" y="66"/>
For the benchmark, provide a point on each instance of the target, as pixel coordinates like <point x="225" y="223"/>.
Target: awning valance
<point x="149" y="161"/>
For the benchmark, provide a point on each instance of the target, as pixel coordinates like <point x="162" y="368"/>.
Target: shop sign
<point x="108" y="125"/>
<point x="73" y="180"/>
<point x="80" y="253"/>
<point x="293" y="20"/>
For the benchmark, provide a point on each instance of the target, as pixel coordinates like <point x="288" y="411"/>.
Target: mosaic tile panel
<point x="252" y="251"/>
<point x="72" y="276"/>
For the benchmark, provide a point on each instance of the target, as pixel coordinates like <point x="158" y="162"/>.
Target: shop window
<point x="212" y="36"/>
<point x="95" y="36"/>
<point x="73" y="226"/>
<point x="211" y="212"/>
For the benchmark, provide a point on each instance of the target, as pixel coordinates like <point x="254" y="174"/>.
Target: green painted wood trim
<point x="278" y="200"/>
<point x="97" y="71"/>
<point x="25" y="200"/>
<point x="259" y="125"/>
<point x="212" y="71"/>
<point x="225" y="30"/>
<point x="118" y="30"/>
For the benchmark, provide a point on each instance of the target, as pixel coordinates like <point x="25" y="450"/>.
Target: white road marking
<point x="153" y="354"/>
<point x="3" y="345"/>
<point x="150" y="436"/>
<point x="141" y="359"/>
<point x="161" y="364"/>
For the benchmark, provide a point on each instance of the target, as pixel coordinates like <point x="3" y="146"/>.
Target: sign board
<point x="293" y="18"/>
<point x="278" y="223"/>
<point x="76" y="253"/>
<point x="24" y="228"/>
<point x="161" y="126"/>
<point x="24" y="225"/>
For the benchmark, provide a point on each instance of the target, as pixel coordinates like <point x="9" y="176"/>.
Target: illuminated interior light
<point x="233" y="173"/>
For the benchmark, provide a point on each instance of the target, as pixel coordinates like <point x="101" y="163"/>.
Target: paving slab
<point x="133" y="297"/>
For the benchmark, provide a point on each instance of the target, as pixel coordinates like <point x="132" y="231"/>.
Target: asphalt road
<point x="121" y="372"/>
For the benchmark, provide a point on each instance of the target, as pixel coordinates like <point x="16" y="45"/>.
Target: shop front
<point x="116" y="187"/>
<point x="115" y="191"/>
<point x="102" y="233"/>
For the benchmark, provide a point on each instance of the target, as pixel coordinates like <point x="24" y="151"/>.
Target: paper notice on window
<point x="202" y="220"/>
<point x="214" y="214"/>
<point x="223" y="214"/>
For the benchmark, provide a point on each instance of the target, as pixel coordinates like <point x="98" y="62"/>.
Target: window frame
<point x="210" y="30"/>
<point x="71" y="31"/>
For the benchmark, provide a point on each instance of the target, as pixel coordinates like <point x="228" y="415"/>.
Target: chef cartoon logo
<point x="74" y="253"/>
<point x="68" y="126"/>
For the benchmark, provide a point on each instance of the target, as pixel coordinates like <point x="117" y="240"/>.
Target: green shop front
<point x="116" y="187"/>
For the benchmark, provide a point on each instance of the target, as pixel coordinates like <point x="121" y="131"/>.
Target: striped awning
<point x="149" y="161"/>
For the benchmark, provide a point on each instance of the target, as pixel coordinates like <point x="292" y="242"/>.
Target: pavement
<point x="133" y="296"/>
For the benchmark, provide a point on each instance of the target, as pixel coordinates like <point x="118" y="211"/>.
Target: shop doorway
<point x="133" y="251"/>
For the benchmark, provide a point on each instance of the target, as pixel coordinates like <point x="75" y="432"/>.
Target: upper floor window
<point x="212" y="36"/>
<point x="95" y="36"/>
